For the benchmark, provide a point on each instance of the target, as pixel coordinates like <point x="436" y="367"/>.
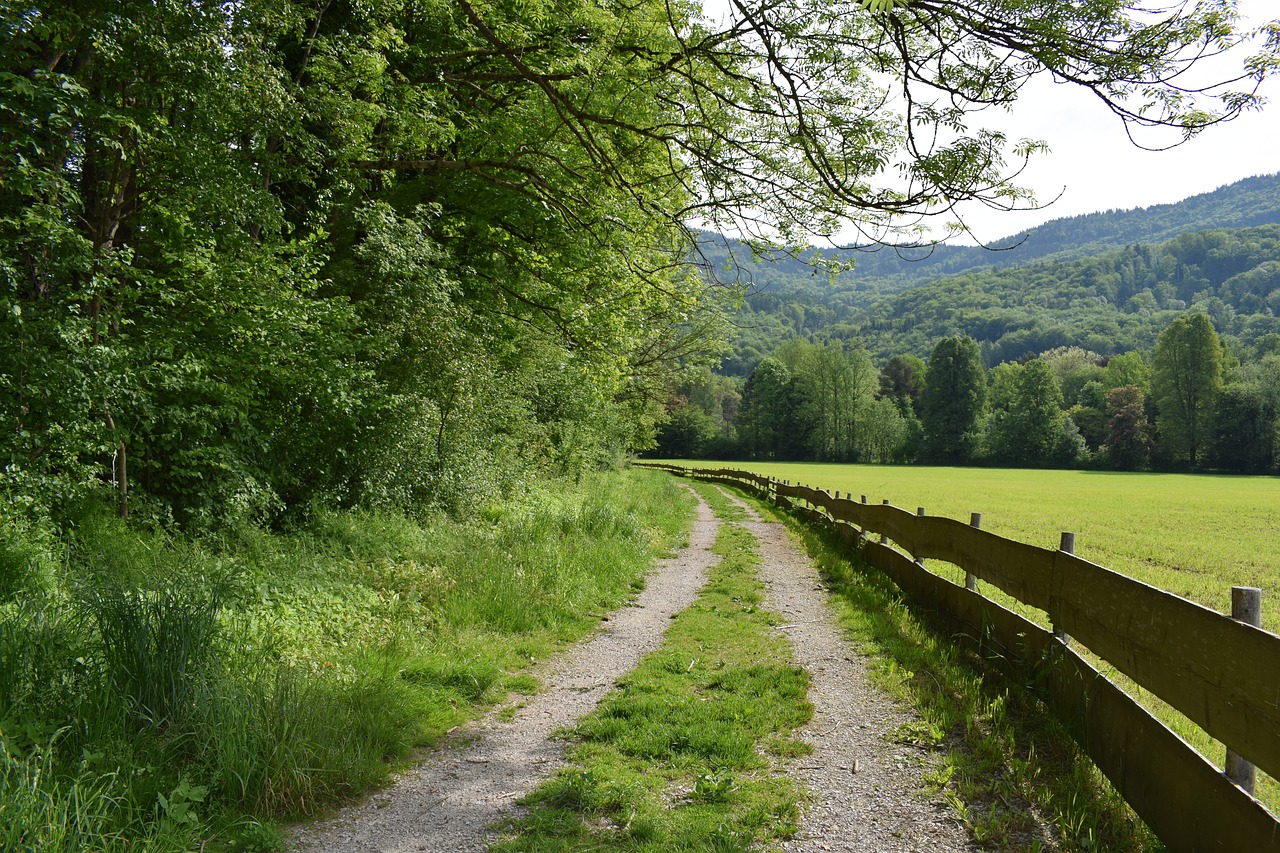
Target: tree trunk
<point x="120" y="470"/>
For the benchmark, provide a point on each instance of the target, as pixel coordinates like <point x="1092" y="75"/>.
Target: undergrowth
<point x="679" y="758"/>
<point x="165" y="694"/>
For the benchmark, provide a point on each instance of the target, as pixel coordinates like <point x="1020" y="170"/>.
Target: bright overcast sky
<point x="1094" y="166"/>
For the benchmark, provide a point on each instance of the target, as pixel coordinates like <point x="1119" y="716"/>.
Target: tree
<point x="765" y="410"/>
<point x="888" y="435"/>
<point x="901" y="380"/>
<point x="1026" y="429"/>
<point x="1127" y="369"/>
<point x="1128" y="443"/>
<point x="1246" y="423"/>
<point x="951" y="404"/>
<point x="1243" y="430"/>
<point x="1074" y="367"/>
<point x="835" y="386"/>
<point x="686" y="433"/>
<point x="1187" y="373"/>
<point x="240" y="243"/>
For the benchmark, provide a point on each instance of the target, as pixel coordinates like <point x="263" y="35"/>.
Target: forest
<point x="319" y="318"/>
<point x="1187" y="403"/>
<point x="836" y="371"/>
<point x="1095" y="281"/>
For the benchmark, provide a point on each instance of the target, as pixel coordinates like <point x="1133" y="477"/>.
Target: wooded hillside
<point x="1108" y="282"/>
<point x="1061" y="360"/>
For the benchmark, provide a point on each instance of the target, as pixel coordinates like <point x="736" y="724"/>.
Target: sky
<point x="1092" y="166"/>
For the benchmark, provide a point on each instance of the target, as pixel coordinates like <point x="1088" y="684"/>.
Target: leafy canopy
<point x="256" y="253"/>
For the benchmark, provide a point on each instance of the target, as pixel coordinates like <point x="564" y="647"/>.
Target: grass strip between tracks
<point x="680" y="758"/>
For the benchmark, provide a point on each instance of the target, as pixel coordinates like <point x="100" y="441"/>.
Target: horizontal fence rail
<point x="1223" y="674"/>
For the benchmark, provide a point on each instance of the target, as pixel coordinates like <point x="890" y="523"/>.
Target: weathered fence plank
<point x="1185" y="800"/>
<point x="1023" y="571"/>
<point x="1223" y="675"/>
<point x="1180" y="795"/>
<point x="1177" y="792"/>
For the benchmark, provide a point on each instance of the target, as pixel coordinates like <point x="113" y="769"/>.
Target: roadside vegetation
<point x="1007" y="765"/>
<point x="162" y="693"/>
<point x="680" y="757"/>
<point x="1193" y="535"/>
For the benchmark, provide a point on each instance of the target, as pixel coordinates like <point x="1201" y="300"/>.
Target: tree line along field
<point x="1194" y="535"/>
<point x="1191" y="404"/>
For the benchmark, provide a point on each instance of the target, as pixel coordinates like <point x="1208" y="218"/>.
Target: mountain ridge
<point x="1245" y="203"/>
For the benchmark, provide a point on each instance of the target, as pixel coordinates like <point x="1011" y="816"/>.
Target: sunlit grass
<point x="1194" y="535"/>
<point x="677" y="759"/>
<point x="207" y="687"/>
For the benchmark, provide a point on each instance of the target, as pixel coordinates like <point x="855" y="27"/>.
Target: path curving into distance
<point x="866" y="789"/>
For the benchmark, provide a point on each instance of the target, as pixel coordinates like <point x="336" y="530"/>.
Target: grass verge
<point x="167" y="694"/>
<point x="1010" y="771"/>
<point x="679" y="758"/>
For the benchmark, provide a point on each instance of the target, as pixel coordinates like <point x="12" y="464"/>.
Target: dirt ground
<point x="865" y="788"/>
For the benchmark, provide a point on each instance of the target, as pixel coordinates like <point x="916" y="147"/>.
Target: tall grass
<point x="48" y="811"/>
<point x="156" y="646"/>
<point x="181" y="693"/>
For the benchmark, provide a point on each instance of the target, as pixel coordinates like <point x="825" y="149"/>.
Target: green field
<point x="1192" y="534"/>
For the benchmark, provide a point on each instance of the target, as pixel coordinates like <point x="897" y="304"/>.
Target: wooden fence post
<point x="883" y="538"/>
<point x="1067" y="546"/>
<point x="1246" y="607"/>
<point x="970" y="579"/>
<point x="919" y="514"/>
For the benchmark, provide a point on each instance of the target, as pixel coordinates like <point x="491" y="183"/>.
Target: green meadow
<point x="1194" y="535"/>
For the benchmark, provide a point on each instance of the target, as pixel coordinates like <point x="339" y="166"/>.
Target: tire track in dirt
<point x="866" y="790"/>
<point x="447" y="803"/>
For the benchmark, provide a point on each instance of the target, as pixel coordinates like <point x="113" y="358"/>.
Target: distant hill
<point x="1243" y="204"/>
<point x="1107" y="281"/>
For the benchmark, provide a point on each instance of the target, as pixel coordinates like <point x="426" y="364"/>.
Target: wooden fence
<point x="1221" y="673"/>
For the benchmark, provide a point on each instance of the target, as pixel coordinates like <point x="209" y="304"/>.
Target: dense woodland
<point x="317" y="316"/>
<point x="831" y="356"/>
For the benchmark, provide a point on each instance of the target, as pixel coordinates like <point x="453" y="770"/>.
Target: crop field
<point x="1194" y="535"/>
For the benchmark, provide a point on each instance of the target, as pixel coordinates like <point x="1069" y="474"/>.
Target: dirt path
<point x="865" y="787"/>
<point x="447" y="804"/>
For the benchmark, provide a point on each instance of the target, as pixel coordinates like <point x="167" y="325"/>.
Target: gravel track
<point x="866" y="789"/>
<point x="447" y="803"/>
